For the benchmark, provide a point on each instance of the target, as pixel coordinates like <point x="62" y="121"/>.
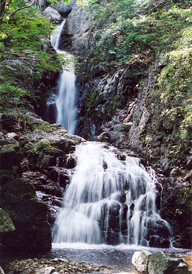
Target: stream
<point x="118" y="258"/>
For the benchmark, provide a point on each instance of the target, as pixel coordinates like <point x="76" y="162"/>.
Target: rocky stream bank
<point x="48" y="266"/>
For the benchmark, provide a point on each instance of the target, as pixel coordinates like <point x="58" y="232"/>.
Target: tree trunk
<point x="2" y="8"/>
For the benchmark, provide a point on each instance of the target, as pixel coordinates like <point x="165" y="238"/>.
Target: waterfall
<point x="111" y="199"/>
<point x="65" y="98"/>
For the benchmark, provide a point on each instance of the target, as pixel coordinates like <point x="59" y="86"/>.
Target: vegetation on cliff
<point x="28" y="71"/>
<point x="138" y="81"/>
<point x="129" y="32"/>
<point x="28" y="62"/>
<point x="149" y="39"/>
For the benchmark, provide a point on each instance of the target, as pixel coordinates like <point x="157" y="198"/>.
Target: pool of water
<point x="118" y="258"/>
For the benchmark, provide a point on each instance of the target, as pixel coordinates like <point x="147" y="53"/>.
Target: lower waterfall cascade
<point x="111" y="199"/>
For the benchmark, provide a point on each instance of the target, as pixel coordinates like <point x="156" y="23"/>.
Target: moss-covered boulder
<point x="28" y="225"/>
<point x="6" y="224"/>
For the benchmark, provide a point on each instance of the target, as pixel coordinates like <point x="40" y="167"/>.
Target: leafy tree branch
<point x="7" y="4"/>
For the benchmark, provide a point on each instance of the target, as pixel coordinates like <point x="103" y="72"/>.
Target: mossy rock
<point x="6" y="224"/>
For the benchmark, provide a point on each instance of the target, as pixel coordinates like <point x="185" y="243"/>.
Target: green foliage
<point x="176" y="88"/>
<point x="26" y="31"/>
<point x="82" y="3"/>
<point x="43" y="145"/>
<point x="92" y="100"/>
<point x="6" y="90"/>
<point x="178" y="211"/>
<point x="25" y="55"/>
<point x="133" y="32"/>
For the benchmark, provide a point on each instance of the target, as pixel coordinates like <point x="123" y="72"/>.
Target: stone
<point x="53" y="15"/>
<point x="28" y="214"/>
<point x="11" y="135"/>
<point x="1" y="270"/>
<point x="41" y="4"/>
<point x="140" y="260"/>
<point x="63" y="8"/>
<point x="46" y="270"/>
<point x="6" y="224"/>
<point x="146" y="262"/>
<point x="104" y="137"/>
<point x="76" y="29"/>
<point x="160" y="263"/>
<point x="24" y="165"/>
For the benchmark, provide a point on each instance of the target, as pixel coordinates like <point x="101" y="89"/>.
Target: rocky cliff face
<point x="31" y="194"/>
<point x="32" y="153"/>
<point x="144" y="111"/>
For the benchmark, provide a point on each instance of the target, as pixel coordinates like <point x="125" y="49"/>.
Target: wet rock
<point x="157" y="241"/>
<point x="60" y="175"/>
<point x="24" y="165"/>
<point x="158" y="233"/>
<point x="71" y="162"/>
<point x="104" y="137"/>
<point x="176" y="209"/>
<point x="48" y="191"/>
<point x="113" y="223"/>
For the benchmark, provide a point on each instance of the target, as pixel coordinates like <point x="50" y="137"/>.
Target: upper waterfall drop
<point x="66" y="91"/>
<point x="110" y="200"/>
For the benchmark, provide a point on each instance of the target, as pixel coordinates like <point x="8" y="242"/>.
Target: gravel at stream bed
<point x="52" y="266"/>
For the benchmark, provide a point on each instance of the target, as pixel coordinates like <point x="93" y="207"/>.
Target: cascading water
<point x="65" y="98"/>
<point x="111" y="199"/>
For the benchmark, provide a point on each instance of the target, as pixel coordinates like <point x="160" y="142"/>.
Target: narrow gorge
<point x="109" y="200"/>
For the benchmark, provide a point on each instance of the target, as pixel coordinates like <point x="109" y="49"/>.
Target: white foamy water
<point x="109" y="201"/>
<point x="66" y="91"/>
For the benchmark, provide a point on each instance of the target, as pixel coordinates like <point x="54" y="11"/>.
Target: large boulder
<point x="63" y="8"/>
<point x="159" y="263"/>
<point x="140" y="260"/>
<point x="53" y="15"/>
<point x="30" y="195"/>
<point x="75" y="33"/>
<point x="1" y="271"/>
<point x="26" y="227"/>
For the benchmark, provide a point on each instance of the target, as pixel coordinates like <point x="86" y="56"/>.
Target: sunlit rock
<point x="53" y="15"/>
<point x="159" y="262"/>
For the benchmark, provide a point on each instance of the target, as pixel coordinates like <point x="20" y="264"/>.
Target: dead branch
<point x="8" y="93"/>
